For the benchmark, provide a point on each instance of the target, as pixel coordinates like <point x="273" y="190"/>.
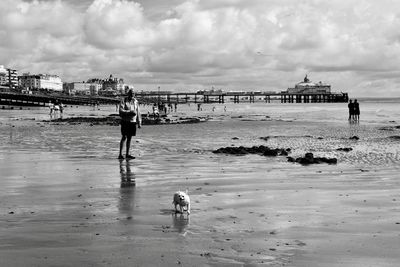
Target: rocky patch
<point x="260" y="150"/>
<point x="114" y="120"/>
<point x="389" y="128"/>
<point x="344" y="149"/>
<point x="310" y="159"/>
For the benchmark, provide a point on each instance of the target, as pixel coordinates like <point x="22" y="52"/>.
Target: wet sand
<point x="65" y="200"/>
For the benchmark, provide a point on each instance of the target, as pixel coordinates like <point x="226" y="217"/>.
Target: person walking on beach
<point x="351" y="109"/>
<point x="51" y="107"/>
<point x="155" y="111"/>
<point x="356" y="110"/>
<point x="130" y="119"/>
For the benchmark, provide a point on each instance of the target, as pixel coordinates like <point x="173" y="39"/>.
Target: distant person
<point x="225" y="108"/>
<point x="155" y="111"/>
<point x="176" y="106"/>
<point x="130" y="119"/>
<point x="356" y="110"/>
<point x="51" y="108"/>
<point x="351" y="109"/>
<point x="56" y="108"/>
<point x="61" y="109"/>
<point x="165" y="108"/>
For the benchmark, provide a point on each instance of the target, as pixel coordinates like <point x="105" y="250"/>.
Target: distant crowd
<point x="56" y="108"/>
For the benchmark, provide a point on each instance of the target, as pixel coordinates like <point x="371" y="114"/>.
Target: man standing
<point x="356" y="110"/>
<point x="351" y="109"/>
<point x="130" y="118"/>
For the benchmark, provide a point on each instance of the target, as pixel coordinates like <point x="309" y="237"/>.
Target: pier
<point x="242" y="97"/>
<point x="18" y="99"/>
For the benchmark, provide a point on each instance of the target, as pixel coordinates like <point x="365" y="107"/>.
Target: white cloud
<point x="236" y="44"/>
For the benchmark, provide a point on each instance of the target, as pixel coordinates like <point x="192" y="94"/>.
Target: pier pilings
<point x="249" y="97"/>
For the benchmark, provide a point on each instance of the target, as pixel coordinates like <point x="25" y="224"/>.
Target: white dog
<point x="183" y="200"/>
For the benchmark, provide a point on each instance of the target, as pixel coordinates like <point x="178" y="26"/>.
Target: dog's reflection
<point x="180" y="222"/>
<point x="127" y="189"/>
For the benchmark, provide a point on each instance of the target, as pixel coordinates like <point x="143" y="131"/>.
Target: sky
<point x="190" y="45"/>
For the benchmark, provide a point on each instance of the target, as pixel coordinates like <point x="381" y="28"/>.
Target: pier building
<point x="308" y="87"/>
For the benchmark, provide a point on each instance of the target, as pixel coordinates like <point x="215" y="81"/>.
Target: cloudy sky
<point x="186" y="45"/>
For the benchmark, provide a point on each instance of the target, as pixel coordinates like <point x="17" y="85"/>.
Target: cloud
<point x="196" y="43"/>
<point x="117" y="24"/>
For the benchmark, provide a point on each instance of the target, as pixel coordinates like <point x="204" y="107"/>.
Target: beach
<point x="66" y="200"/>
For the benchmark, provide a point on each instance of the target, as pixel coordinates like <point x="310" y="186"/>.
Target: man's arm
<point x="122" y="110"/>
<point x="138" y="115"/>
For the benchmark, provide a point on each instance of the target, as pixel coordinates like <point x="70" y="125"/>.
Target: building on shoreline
<point x="3" y="75"/>
<point x="12" y="78"/>
<point x="308" y="87"/>
<point x="8" y="77"/>
<point x="40" y="81"/>
<point x="112" y="85"/>
<point x="76" y="88"/>
<point x="95" y="86"/>
<point x="91" y="87"/>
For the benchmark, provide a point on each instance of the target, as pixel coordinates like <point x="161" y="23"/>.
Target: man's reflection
<point x="354" y="129"/>
<point x="127" y="176"/>
<point x="353" y="122"/>
<point x="127" y="189"/>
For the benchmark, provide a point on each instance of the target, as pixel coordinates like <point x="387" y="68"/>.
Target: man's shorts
<point x="128" y="128"/>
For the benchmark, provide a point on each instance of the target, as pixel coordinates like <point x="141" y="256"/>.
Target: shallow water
<point x="166" y="151"/>
<point x="318" y="128"/>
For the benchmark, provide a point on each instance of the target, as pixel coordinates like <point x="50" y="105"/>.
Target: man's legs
<point x="121" y="146"/>
<point x="127" y="130"/>
<point x="128" y="146"/>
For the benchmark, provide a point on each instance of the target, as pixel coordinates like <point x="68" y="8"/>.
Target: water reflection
<point x="354" y="127"/>
<point x="180" y="222"/>
<point x="127" y="189"/>
<point x="354" y="122"/>
<point x="128" y="178"/>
